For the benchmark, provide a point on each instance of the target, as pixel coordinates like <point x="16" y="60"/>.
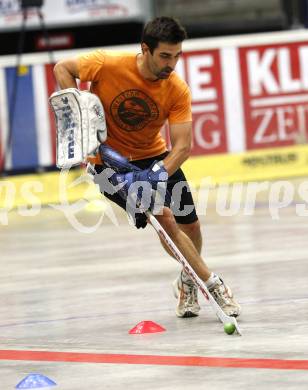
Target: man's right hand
<point x="138" y="186"/>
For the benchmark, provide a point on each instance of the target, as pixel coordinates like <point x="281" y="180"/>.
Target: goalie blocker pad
<point x="81" y="125"/>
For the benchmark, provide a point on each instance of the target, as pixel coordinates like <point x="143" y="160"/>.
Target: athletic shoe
<point x="224" y="297"/>
<point x="187" y="294"/>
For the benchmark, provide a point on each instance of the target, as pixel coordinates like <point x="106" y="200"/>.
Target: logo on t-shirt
<point x="132" y="110"/>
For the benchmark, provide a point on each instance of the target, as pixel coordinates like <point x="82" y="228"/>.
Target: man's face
<point x="164" y="59"/>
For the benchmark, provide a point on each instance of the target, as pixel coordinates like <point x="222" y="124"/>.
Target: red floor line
<point x="47" y="356"/>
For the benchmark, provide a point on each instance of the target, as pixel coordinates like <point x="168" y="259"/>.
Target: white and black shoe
<point x="224" y="297"/>
<point x="186" y="293"/>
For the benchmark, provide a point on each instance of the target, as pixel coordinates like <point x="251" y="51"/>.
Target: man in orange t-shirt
<point x="136" y="108"/>
<point x="139" y="94"/>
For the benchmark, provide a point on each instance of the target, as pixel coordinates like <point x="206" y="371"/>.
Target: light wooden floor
<point x="62" y="290"/>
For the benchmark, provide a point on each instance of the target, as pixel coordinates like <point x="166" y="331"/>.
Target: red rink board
<point x="202" y="71"/>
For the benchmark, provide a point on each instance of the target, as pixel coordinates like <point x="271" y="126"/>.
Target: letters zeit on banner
<point x="275" y="94"/>
<point x="202" y="72"/>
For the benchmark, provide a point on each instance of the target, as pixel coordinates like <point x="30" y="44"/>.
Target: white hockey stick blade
<point x="224" y="318"/>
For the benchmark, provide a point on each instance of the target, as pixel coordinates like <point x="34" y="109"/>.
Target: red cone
<point x="146" y="327"/>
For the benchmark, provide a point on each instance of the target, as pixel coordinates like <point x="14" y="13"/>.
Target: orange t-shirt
<point x="135" y="108"/>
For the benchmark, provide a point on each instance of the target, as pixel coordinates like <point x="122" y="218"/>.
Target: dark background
<point x="202" y="18"/>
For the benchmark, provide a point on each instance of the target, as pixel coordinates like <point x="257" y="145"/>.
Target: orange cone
<point x="146" y="327"/>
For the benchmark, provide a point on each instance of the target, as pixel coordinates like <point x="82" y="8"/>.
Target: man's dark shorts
<point x="183" y="200"/>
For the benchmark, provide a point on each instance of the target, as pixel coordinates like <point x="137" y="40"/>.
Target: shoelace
<point x="192" y="292"/>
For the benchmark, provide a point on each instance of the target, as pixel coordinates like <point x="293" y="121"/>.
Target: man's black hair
<point x="163" y="29"/>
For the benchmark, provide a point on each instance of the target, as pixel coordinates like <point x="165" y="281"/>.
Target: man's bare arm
<point x="66" y="72"/>
<point x="180" y="136"/>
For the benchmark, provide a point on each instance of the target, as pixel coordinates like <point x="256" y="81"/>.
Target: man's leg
<point x="184" y="243"/>
<point x="183" y="208"/>
<point x="193" y="231"/>
<point x="184" y="288"/>
<point x="187" y="303"/>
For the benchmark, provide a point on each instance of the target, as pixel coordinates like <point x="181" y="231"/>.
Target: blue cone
<point x="35" y="381"/>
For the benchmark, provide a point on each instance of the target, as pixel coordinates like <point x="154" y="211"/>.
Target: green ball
<point x="229" y="328"/>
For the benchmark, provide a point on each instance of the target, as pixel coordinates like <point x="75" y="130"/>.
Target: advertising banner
<point x="202" y="71"/>
<point x="247" y="94"/>
<point x="275" y="94"/>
